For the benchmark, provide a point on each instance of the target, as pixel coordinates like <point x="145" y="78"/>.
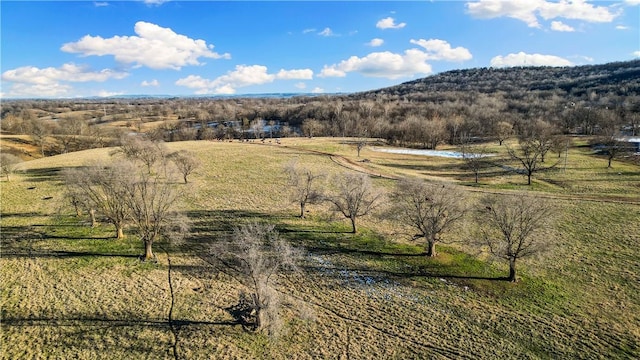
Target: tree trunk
<point x="431" y="248"/>
<point x="609" y="165"/>
<point x="148" y="252"/>
<point x="353" y="225"/>
<point x="92" y="215"/>
<point x="119" y="232"/>
<point x="476" y="177"/>
<point x="512" y="270"/>
<point x="185" y="179"/>
<point x="529" y="178"/>
<point x="302" y="204"/>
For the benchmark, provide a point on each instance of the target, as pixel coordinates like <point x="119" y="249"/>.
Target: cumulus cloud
<point x="382" y="64"/>
<point x="441" y="50"/>
<point x="375" y="42"/>
<point x="622" y="27"/>
<point x="560" y="26"/>
<point x="242" y="76"/>
<point x="68" y="72"/>
<point x="37" y="90"/>
<point x="523" y="59"/>
<point x="636" y="53"/>
<point x="317" y="90"/>
<point x="31" y="81"/>
<point x="300" y="74"/>
<point x="632" y="2"/>
<point x="300" y="85"/>
<point x="529" y="11"/>
<point x="306" y="31"/>
<point x="154" y="47"/>
<point x="153" y="82"/>
<point x="389" y="23"/>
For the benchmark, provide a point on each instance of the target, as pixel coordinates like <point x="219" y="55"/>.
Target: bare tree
<point x="303" y="185"/>
<point x="529" y="155"/>
<point x="146" y="151"/>
<point x="430" y="209"/>
<point x="40" y="131"/>
<point x="8" y="163"/>
<point x="185" y="162"/>
<point x="513" y="227"/>
<point x="254" y="256"/>
<point x="103" y="188"/>
<point x="473" y="156"/>
<point x="152" y="200"/>
<point x="503" y="131"/>
<point x="355" y="197"/>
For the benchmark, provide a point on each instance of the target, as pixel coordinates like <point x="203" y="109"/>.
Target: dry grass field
<point x="72" y="291"/>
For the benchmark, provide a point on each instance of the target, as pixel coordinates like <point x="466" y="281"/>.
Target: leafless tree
<point x="8" y="163"/>
<point x="430" y="209"/>
<point x="303" y="186"/>
<point x="354" y="197"/>
<point x="473" y="156"/>
<point x="254" y="256"/>
<point x="513" y="227"/>
<point x="152" y="199"/>
<point x="185" y="162"/>
<point x="529" y="155"/>
<point x="40" y="131"/>
<point x="146" y="151"/>
<point x="103" y="188"/>
<point x="503" y="131"/>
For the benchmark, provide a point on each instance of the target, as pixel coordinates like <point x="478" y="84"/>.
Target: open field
<point x="70" y="291"/>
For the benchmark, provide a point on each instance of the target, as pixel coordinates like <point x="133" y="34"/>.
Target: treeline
<point x="444" y="108"/>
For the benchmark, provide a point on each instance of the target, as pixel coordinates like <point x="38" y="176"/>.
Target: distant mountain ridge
<point x="621" y="78"/>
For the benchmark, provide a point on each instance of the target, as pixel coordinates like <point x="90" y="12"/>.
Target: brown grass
<point x="69" y="292"/>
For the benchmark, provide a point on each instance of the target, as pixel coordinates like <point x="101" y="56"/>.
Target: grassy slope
<point x="69" y="290"/>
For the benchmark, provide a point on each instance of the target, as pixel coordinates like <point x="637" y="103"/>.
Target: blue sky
<point x="103" y="48"/>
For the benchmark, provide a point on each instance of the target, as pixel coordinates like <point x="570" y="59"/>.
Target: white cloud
<point x="153" y="82"/>
<point x="622" y="27"/>
<point x="242" y="76"/>
<point x="560" y="26"/>
<point x="68" y="72"/>
<point x="331" y="71"/>
<point x="632" y="2"/>
<point x="389" y="23"/>
<point x="155" y="2"/>
<point x="299" y="74"/>
<point x="523" y="59"/>
<point x="37" y="90"/>
<point x="104" y="93"/>
<point x="317" y="90"/>
<point x="306" y="31"/>
<point x="100" y="4"/>
<point x="382" y="64"/>
<point x="326" y="32"/>
<point x="529" y="10"/>
<point x="300" y="85"/>
<point x="375" y="42"/>
<point x="636" y="53"/>
<point x="442" y="50"/>
<point x="155" y="47"/>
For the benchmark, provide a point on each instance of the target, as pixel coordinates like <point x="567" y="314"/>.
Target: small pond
<point x="440" y="153"/>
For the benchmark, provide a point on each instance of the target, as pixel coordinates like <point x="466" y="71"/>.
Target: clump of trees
<point x="125" y="193"/>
